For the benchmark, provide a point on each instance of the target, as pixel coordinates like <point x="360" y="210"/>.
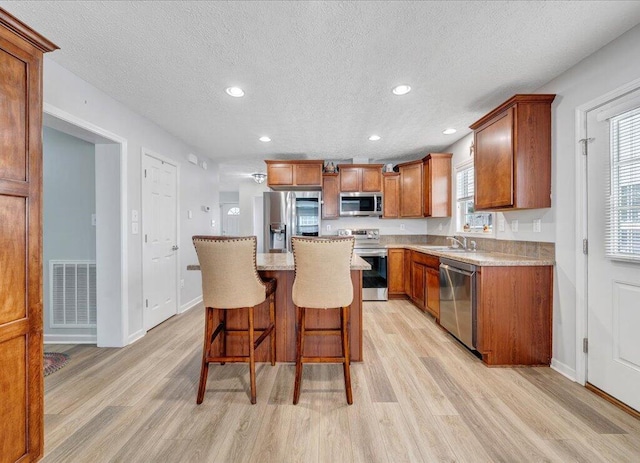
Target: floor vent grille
<point x="72" y="286"/>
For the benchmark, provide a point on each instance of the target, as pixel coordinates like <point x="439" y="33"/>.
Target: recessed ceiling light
<point x="374" y="137"/>
<point x="235" y="91"/>
<point x="265" y="139"/>
<point x="401" y="89"/>
<point x="449" y="131"/>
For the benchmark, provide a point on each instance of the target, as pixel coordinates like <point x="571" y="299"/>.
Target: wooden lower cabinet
<point x="418" y="287"/>
<point x="514" y="315"/>
<point x="432" y="304"/>
<point x="407" y="272"/>
<point x="395" y="272"/>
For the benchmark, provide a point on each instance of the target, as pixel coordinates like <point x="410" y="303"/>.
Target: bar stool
<point x="230" y="281"/>
<point x="322" y="281"/>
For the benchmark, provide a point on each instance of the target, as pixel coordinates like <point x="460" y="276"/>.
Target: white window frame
<point x="460" y="203"/>
<point x="623" y="171"/>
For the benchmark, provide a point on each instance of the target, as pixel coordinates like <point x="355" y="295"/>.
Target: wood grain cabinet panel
<point x="330" y="196"/>
<point x="407" y="272"/>
<point x="418" y="289"/>
<point x="514" y="315"/>
<point x="411" y="200"/>
<point x="360" y="177"/>
<point x="395" y="272"/>
<point x="512" y="155"/>
<point x="304" y="174"/>
<point x="436" y="170"/>
<point x="391" y="191"/>
<point x="433" y="292"/>
<point x="21" y="356"/>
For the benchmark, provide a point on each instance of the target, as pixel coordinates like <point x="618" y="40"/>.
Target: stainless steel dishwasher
<point x="458" y="300"/>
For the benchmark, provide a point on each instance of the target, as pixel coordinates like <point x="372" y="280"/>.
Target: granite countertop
<point x="480" y="258"/>
<point x="284" y="261"/>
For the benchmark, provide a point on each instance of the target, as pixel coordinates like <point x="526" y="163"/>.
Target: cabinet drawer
<point x="425" y="259"/>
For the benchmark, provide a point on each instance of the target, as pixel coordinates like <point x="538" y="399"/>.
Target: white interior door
<point x="613" y="361"/>
<point x="160" y="226"/>
<point x="230" y="219"/>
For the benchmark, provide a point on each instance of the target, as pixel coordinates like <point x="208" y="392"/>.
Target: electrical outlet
<point x="328" y="227"/>
<point x="536" y="225"/>
<point x="182" y="283"/>
<point x="134" y="215"/>
<point x="134" y="228"/>
<point x="501" y="223"/>
<point x="514" y="226"/>
<point x="401" y="226"/>
<point x="189" y="214"/>
<point x="213" y="224"/>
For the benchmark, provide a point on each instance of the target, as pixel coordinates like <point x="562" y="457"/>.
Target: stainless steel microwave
<point x="360" y="204"/>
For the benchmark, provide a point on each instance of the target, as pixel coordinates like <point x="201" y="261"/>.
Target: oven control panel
<point x="368" y="236"/>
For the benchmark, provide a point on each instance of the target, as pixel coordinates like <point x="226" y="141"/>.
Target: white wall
<point x="609" y="68"/>
<point x="386" y="226"/>
<point x="69" y="200"/>
<point x="66" y="91"/>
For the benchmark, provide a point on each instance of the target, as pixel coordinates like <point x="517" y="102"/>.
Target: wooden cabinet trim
<point x="519" y="98"/>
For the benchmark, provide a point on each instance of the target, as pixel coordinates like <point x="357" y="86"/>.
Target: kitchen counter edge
<point x="284" y="261"/>
<point x="479" y="258"/>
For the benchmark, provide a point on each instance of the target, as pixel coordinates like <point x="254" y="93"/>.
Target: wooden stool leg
<point x="272" y="320"/>
<point x="223" y="338"/>
<point x="299" y="352"/>
<point x="206" y="353"/>
<point x="344" y="325"/>
<point x="252" y="357"/>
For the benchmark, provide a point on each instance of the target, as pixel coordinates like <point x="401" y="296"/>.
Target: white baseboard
<point x="133" y="337"/>
<point x="563" y="369"/>
<point x="70" y="339"/>
<point x="190" y="305"/>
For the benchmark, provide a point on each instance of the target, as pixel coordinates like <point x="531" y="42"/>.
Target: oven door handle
<point x="361" y="253"/>
<point x="456" y="270"/>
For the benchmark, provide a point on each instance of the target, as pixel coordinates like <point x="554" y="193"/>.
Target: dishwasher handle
<point x="456" y="270"/>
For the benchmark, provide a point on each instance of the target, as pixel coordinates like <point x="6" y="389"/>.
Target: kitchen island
<point x="281" y="267"/>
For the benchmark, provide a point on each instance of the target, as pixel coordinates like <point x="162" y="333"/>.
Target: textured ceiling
<point x="318" y="75"/>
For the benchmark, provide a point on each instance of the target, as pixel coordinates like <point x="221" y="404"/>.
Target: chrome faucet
<point x="463" y="243"/>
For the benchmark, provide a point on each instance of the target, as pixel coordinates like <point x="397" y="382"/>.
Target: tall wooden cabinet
<point x="330" y="196"/>
<point x="391" y="191"/>
<point x="21" y="356"/>
<point x="512" y="155"/>
<point x="436" y="174"/>
<point x="411" y="201"/>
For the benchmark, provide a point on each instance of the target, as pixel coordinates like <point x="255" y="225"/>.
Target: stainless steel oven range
<point x="367" y="246"/>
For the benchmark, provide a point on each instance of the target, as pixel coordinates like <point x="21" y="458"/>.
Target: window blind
<point x="465" y="183"/>
<point x="623" y="217"/>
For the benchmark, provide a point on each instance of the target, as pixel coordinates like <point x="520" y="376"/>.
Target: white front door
<point x="159" y="222"/>
<point x="230" y="219"/>
<point x="613" y="294"/>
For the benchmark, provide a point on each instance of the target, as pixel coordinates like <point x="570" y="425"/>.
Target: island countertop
<point x="284" y="261"/>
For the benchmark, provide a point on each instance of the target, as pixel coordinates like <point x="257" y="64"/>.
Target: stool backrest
<point x="230" y="278"/>
<point x="323" y="272"/>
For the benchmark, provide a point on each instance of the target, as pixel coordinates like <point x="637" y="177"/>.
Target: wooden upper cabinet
<point x="411" y="200"/>
<point x="360" y="177"/>
<point x="391" y="192"/>
<point x="512" y="155"/>
<point x="436" y="182"/>
<point x="21" y="356"/>
<point x="294" y="174"/>
<point x="330" y="196"/>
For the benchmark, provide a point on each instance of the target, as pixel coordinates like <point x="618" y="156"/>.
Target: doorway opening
<point x="111" y="292"/>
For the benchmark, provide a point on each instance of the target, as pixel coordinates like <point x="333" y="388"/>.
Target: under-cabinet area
<point x="509" y="299"/>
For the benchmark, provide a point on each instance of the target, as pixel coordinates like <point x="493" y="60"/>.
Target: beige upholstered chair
<point x="230" y="280"/>
<point x="322" y="281"/>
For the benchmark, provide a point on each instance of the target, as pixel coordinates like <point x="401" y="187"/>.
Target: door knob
<point x="174" y="248"/>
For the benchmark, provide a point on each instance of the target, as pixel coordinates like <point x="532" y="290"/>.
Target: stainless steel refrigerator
<point x="287" y="214"/>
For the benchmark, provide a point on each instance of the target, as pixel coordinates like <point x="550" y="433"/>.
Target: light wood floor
<point x="418" y="396"/>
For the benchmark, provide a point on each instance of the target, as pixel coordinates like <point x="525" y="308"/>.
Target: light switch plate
<point x="189" y="214"/>
<point x="401" y="226"/>
<point x="328" y="227"/>
<point x="501" y="223"/>
<point x="134" y="215"/>
<point x="514" y="226"/>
